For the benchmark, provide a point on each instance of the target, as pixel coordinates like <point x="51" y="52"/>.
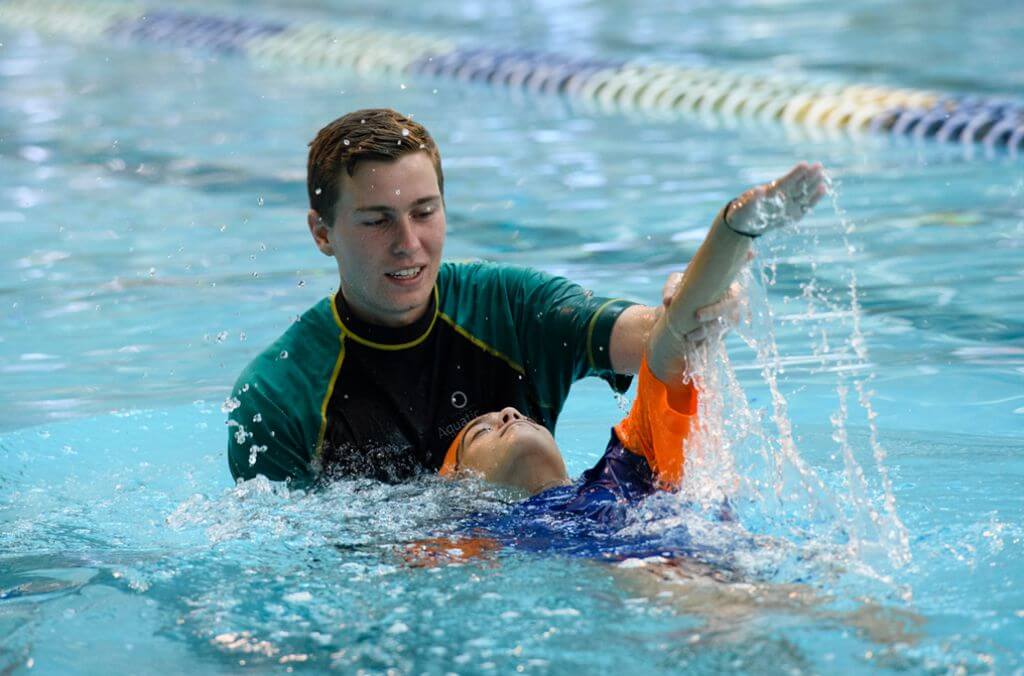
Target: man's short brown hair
<point x="373" y="134"/>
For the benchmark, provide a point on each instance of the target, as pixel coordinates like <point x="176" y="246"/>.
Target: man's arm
<point x="633" y="327"/>
<point x="629" y="337"/>
<point x="263" y="438"/>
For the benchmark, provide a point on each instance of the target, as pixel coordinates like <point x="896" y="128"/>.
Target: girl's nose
<point x="509" y="413"/>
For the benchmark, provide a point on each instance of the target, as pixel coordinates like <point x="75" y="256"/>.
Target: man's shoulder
<point x="465" y="285"/>
<point x="457" y="273"/>
<point x="298" y="354"/>
<point x="274" y="408"/>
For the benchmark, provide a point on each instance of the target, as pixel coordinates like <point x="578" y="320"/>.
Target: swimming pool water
<point x="153" y="216"/>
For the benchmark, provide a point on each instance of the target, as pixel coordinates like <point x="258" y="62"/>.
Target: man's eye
<point x="426" y="213"/>
<point x="480" y="431"/>
<point x="377" y="223"/>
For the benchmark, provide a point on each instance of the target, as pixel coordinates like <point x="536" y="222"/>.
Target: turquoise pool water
<point x="152" y="201"/>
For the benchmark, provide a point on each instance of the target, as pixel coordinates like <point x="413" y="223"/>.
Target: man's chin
<point x="413" y="302"/>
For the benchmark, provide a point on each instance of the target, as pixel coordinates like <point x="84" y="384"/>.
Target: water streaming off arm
<point x="749" y="454"/>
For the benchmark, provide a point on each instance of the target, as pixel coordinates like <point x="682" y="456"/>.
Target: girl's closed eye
<point x="480" y="430"/>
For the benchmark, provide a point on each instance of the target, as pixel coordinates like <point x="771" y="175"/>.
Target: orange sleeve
<point x="662" y="418"/>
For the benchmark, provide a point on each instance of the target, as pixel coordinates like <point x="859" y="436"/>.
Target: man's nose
<point x="509" y="414"/>
<point x="406" y="241"/>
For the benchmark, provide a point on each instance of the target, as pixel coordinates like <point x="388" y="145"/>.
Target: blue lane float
<point x="628" y="87"/>
<point x="210" y="33"/>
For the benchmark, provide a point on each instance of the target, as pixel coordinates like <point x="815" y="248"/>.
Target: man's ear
<point x="318" y="229"/>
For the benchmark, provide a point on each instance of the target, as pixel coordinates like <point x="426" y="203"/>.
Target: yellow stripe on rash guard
<point x="327" y="397"/>
<point x="384" y="346"/>
<point x="481" y="344"/>
<point x="590" y="332"/>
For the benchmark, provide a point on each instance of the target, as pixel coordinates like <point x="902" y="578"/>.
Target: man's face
<point x="387" y="237"/>
<point x="506" y="447"/>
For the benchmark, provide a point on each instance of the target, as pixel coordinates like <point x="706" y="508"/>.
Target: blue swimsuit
<point x="585" y="519"/>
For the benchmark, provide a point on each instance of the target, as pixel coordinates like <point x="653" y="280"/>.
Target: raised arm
<point x="722" y="254"/>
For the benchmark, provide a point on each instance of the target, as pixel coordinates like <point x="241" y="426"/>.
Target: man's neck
<point x="395" y="320"/>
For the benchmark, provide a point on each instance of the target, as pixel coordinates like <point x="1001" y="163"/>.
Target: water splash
<point x="749" y="455"/>
<point x="890" y="530"/>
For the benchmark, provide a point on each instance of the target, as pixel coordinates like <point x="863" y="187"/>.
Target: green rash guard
<point x="337" y="397"/>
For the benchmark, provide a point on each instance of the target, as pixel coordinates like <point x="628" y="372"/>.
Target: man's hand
<point x="726" y="311"/>
<point x="720" y="316"/>
<point x="669" y="290"/>
<point x="781" y="202"/>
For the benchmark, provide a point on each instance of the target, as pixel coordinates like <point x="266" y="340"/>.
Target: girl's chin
<point x="535" y="463"/>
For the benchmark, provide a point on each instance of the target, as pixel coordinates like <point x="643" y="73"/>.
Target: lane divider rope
<point x="605" y="85"/>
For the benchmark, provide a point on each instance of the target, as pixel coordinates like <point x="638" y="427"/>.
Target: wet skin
<point x="389" y="219"/>
<point x="505" y="447"/>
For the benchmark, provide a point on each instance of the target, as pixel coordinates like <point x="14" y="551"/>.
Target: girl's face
<point x="505" y="447"/>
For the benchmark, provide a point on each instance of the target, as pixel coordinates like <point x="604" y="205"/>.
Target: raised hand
<point x="703" y="296"/>
<point x="781" y="202"/>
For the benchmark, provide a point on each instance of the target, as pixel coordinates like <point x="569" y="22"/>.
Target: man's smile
<point x="409" y="275"/>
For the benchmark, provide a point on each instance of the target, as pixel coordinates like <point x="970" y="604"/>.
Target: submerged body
<point x="586" y="517"/>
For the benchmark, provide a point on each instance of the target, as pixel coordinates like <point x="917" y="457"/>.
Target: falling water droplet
<point x="346" y="141"/>
<point x="254" y="450"/>
<point x="317" y="191"/>
<point x="259" y="200"/>
<point x="284" y="354"/>
<point x="229" y="405"/>
<point x="405" y="132"/>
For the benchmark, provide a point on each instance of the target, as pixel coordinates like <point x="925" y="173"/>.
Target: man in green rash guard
<point x="377" y="380"/>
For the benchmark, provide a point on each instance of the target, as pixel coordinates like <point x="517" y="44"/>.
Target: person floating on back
<point x="646" y="450"/>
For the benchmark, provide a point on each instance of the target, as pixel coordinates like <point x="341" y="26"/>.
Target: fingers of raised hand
<point x="780" y="202"/>
<point x="800" y="189"/>
<point x="809" y="186"/>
